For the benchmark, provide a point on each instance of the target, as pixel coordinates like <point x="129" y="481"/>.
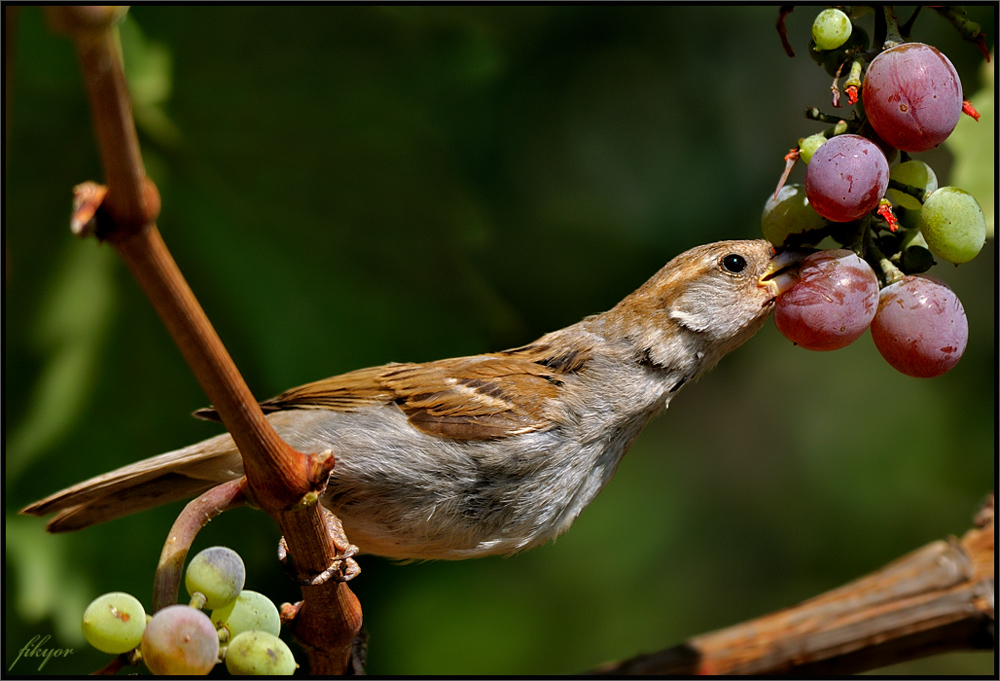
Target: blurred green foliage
<point x="348" y="186"/>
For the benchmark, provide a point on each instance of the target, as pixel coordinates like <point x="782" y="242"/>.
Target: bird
<point x="488" y="454"/>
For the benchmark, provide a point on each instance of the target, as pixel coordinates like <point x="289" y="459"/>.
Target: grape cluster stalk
<point x="885" y="211"/>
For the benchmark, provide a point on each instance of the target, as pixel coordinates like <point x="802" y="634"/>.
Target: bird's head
<point x="712" y="298"/>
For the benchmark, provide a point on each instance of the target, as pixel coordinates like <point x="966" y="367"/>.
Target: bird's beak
<point x="782" y="272"/>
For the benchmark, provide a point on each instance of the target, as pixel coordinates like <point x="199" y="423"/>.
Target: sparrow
<point x="488" y="454"/>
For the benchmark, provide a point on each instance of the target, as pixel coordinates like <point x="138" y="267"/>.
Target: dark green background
<point x="350" y="186"/>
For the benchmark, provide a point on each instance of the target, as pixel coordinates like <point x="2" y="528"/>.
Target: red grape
<point x="920" y="327"/>
<point x="832" y="304"/>
<point x="846" y="178"/>
<point x="912" y="96"/>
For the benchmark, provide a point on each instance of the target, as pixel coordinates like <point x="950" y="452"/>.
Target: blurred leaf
<point x="48" y="584"/>
<point x="149" y="71"/>
<point x="974" y="145"/>
<point x="71" y="327"/>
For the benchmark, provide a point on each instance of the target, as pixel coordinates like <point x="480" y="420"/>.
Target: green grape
<point x="908" y="217"/>
<point x="834" y="60"/>
<point x="831" y="29"/>
<point x="250" y="611"/>
<point x="113" y="623"/>
<point x="916" y="174"/>
<point x="258" y="653"/>
<point x="953" y="224"/>
<point x="218" y="573"/>
<point x="915" y="260"/>
<point x="809" y="145"/>
<point x="790" y="215"/>
<point x="180" y="640"/>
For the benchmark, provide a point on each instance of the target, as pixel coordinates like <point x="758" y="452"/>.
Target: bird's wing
<point x="466" y="398"/>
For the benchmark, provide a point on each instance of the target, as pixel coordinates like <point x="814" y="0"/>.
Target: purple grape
<point x="846" y="178"/>
<point x="912" y="96"/>
<point x="832" y="304"/>
<point x="920" y="327"/>
<point x="180" y="640"/>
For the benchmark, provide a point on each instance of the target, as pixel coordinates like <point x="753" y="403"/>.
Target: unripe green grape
<point x="916" y="260"/>
<point x="251" y="611"/>
<point x="789" y="214"/>
<point x="908" y="217"/>
<point x="809" y="145"/>
<point x="953" y="224"/>
<point x="258" y="653"/>
<point x="218" y="573"/>
<point x="834" y="60"/>
<point x="916" y="174"/>
<point x="180" y="641"/>
<point x="831" y="29"/>
<point x="113" y="623"/>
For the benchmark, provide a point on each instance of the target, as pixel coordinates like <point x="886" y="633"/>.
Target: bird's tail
<point x="146" y="484"/>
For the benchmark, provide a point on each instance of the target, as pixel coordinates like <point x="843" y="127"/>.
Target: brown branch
<point x="938" y="598"/>
<point x="282" y="481"/>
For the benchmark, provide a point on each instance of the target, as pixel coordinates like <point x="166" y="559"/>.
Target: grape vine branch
<point x="282" y="481"/>
<point x="937" y="599"/>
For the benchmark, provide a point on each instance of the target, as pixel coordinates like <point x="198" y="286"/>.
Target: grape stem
<point x="790" y="159"/>
<point x="892" y="35"/>
<point x="969" y="30"/>
<point x="854" y="78"/>
<point x="916" y="192"/>
<point x="839" y="127"/>
<point x="783" y="12"/>
<point x="167" y="579"/>
<point x="907" y="28"/>
<point x="886" y="271"/>
<point x="815" y="114"/>
<point x="116" y="664"/>
<point x="835" y="87"/>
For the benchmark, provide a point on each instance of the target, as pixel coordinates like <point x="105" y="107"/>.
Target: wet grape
<point x="180" y="640"/>
<point x="920" y="327"/>
<point x="832" y="304"/>
<point x="953" y="224"/>
<point x="846" y="178"/>
<point x="113" y="623"/>
<point x="912" y="96"/>
<point x="218" y="573"/>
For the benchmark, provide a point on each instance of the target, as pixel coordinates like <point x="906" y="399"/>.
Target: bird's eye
<point x="734" y="263"/>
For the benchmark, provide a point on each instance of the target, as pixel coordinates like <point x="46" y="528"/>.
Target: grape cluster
<point x="888" y="224"/>
<point x="182" y="639"/>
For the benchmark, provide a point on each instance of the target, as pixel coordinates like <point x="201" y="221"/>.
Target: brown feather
<point x="466" y="398"/>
